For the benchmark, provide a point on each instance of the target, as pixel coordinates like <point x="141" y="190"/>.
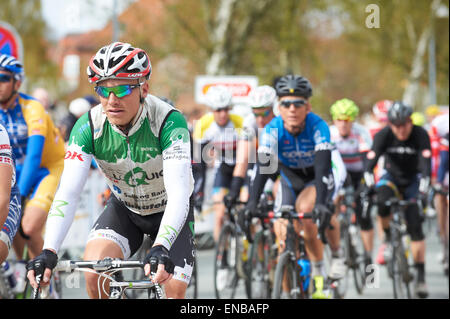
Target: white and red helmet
<point x="119" y="61"/>
<point x="262" y="96"/>
<point x="381" y="108"/>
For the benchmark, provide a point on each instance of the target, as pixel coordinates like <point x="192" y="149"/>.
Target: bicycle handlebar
<point x="291" y="214"/>
<point x="98" y="265"/>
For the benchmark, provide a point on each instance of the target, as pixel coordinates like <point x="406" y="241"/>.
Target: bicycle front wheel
<point x="258" y="269"/>
<point x="401" y="276"/>
<point x="287" y="283"/>
<point x="226" y="278"/>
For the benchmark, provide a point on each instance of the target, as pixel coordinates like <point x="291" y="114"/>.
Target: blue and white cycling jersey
<point x="9" y="228"/>
<point x="296" y="151"/>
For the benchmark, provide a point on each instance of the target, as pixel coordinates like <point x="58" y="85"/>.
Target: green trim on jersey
<point x="175" y="128"/>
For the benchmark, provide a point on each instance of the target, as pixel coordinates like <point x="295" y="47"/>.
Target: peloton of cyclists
<point x="297" y="144"/>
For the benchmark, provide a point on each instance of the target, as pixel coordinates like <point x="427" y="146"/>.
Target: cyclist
<point x="408" y="169"/>
<point x="38" y="150"/>
<point x="77" y="108"/>
<point x="219" y="131"/>
<point x="10" y="207"/>
<point x="297" y="144"/>
<point x="440" y="129"/>
<point x="353" y="142"/>
<point x="262" y="100"/>
<point x="379" y="111"/>
<point x="141" y="144"/>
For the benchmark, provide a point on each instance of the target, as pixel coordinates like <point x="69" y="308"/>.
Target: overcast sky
<point x="75" y="16"/>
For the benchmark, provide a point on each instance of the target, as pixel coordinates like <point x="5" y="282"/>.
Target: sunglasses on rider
<point x="262" y="113"/>
<point x="296" y="103"/>
<point x="119" y="90"/>
<point x="5" y="77"/>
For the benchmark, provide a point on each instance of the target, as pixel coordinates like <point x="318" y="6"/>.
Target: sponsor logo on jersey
<point x="73" y="155"/>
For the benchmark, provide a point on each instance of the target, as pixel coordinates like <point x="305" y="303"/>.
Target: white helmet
<point x="218" y="97"/>
<point x="262" y="96"/>
<point x="79" y="106"/>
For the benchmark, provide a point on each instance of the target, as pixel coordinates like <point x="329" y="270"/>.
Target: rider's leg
<point x="440" y="202"/>
<point x="3" y="251"/>
<point x="175" y="289"/>
<point x="219" y="210"/>
<point x="305" y="204"/>
<point x="98" y="249"/>
<point x="33" y="223"/>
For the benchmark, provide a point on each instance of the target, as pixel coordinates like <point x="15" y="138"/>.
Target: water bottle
<point x="9" y="274"/>
<point x="305" y="271"/>
<point x="20" y="271"/>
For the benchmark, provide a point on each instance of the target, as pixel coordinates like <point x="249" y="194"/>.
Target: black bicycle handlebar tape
<point x="39" y="273"/>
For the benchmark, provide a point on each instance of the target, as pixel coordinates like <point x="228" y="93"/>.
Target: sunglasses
<point x="5" y="77"/>
<point x="262" y="113"/>
<point x="119" y="91"/>
<point x="296" y="103"/>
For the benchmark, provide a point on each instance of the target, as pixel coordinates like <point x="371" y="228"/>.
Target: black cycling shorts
<point x="126" y="228"/>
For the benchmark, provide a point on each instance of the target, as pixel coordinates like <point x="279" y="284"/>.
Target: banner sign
<point x="239" y="85"/>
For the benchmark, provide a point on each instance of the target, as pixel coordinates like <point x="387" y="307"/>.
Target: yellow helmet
<point x="433" y="110"/>
<point x="418" y="119"/>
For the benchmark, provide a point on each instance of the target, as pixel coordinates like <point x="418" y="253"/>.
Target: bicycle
<point x="263" y="252"/>
<point x="231" y="255"/>
<point x="288" y="270"/>
<point x="351" y="240"/>
<point x="117" y="286"/>
<point x="398" y="264"/>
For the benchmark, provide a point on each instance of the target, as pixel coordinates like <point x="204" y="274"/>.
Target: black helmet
<point x="399" y="113"/>
<point x="293" y="85"/>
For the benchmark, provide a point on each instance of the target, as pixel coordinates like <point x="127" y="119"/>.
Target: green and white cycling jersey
<point x="148" y="169"/>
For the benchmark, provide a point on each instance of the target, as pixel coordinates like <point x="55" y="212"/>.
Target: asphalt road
<point x="438" y="284"/>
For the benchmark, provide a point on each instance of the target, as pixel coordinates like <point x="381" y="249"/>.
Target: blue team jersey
<point x="295" y="151"/>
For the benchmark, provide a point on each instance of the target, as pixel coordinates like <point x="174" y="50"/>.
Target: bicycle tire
<point x="192" y="288"/>
<point x="400" y="273"/>
<point x="5" y="289"/>
<point x="226" y="252"/>
<point x="287" y="270"/>
<point x="258" y="270"/>
<point x="358" y="266"/>
<point x="342" y="284"/>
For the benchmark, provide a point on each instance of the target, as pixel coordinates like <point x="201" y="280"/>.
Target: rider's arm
<point x="31" y="164"/>
<point x="266" y="164"/>
<point x="240" y="169"/>
<point x="443" y="164"/>
<point x="424" y="153"/>
<point x="199" y="165"/>
<point x="378" y="149"/>
<point x="6" y="173"/>
<point x="178" y="179"/>
<point x="323" y="176"/>
<point x="73" y="178"/>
